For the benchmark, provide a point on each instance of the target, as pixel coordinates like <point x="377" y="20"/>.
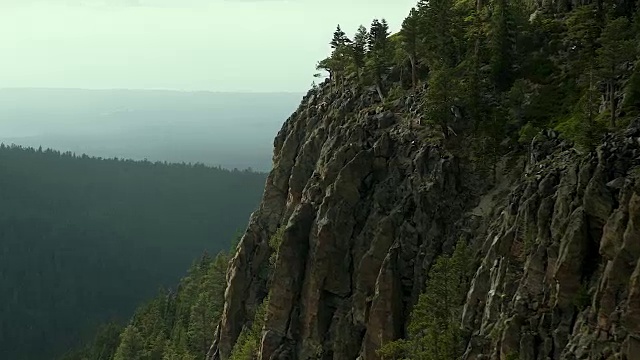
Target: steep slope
<point x="176" y="324"/>
<point x="367" y="205"/>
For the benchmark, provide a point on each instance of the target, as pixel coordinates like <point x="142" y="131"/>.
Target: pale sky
<point x="214" y="45"/>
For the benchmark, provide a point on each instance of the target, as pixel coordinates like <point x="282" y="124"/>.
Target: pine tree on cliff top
<point x="379" y="54"/>
<point x="410" y="42"/>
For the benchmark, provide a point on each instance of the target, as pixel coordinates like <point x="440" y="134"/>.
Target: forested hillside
<point x="176" y="325"/>
<point x="84" y="240"/>
<point x="179" y="323"/>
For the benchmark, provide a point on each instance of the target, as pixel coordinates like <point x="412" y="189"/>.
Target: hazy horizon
<point x="232" y="130"/>
<point x="144" y="89"/>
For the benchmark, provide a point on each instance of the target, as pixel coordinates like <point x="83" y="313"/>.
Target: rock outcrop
<point x="368" y="201"/>
<point x="560" y="258"/>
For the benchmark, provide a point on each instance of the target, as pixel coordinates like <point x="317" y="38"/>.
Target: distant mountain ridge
<point x="232" y="130"/>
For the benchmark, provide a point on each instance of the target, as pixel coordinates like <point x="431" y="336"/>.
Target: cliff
<point x="368" y="197"/>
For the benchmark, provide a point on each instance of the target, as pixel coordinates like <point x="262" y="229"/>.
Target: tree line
<point x="511" y="67"/>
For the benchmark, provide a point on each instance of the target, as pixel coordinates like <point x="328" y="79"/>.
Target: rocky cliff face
<point x="367" y="203"/>
<point x="559" y="273"/>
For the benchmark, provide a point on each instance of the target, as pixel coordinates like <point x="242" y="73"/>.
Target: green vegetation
<point x="173" y="326"/>
<point x="490" y="71"/>
<point x="434" y="329"/>
<point x="513" y="356"/>
<point x="85" y="240"/>
<point x="618" y="48"/>
<point x="582" y="298"/>
<point x="248" y="343"/>
<point x="274" y="242"/>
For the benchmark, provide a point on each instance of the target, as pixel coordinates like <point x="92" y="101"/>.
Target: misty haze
<point x="232" y="130"/>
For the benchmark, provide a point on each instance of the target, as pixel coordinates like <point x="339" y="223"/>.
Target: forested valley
<point x="84" y="240"/>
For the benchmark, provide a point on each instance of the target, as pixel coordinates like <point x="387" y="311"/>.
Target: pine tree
<point x="440" y="97"/>
<point x="106" y="342"/>
<point x="583" y="31"/>
<point x="474" y="80"/>
<point x="410" y="44"/>
<point x="587" y="111"/>
<point x="198" y="325"/>
<point x="442" y="35"/>
<point x="131" y="345"/>
<point x="340" y="39"/>
<point x="325" y="65"/>
<point x="617" y="49"/>
<point x="434" y="326"/>
<point x="379" y="54"/>
<point x="502" y="43"/>
<point x="359" y="48"/>
<point x="248" y="343"/>
<point x="632" y="97"/>
<point x="338" y="61"/>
